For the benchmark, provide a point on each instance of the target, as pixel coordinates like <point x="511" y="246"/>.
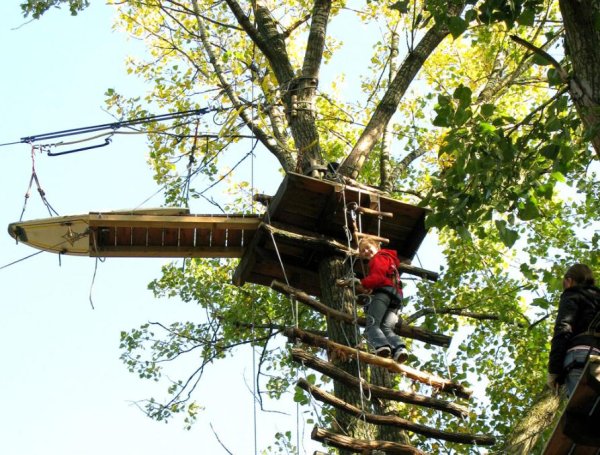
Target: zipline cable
<point x="115" y="125"/>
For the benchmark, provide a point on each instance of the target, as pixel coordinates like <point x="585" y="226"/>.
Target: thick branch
<point x="267" y="39"/>
<point x="401" y="328"/>
<point x="364" y="446"/>
<point x="376" y="391"/>
<point x="284" y="156"/>
<point x="389" y="103"/>
<point x="395" y="421"/>
<point x="416" y="375"/>
<point x="316" y="39"/>
<point x="455" y="311"/>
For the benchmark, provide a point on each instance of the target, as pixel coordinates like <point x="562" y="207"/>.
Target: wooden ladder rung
<point x="367" y="211"/>
<point x="362" y="235"/>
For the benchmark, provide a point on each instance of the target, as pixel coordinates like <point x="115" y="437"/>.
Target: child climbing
<point x="383" y="285"/>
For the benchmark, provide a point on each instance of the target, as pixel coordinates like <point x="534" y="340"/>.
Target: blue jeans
<point x="578" y="357"/>
<point x="381" y="320"/>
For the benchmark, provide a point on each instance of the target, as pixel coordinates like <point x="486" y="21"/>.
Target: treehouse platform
<point x="164" y="232"/>
<point x="578" y="430"/>
<point x="309" y="218"/>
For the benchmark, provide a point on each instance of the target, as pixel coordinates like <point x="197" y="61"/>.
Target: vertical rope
<point x="254" y="380"/>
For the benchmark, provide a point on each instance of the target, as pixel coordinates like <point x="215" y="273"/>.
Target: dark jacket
<point x="577" y="308"/>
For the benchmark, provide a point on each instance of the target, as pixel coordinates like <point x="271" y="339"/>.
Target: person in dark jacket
<point x="573" y="339"/>
<point x="383" y="284"/>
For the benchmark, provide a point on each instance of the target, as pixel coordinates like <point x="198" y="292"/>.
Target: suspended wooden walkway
<point x="168" y="232"/>
<point x="578" y="430"/>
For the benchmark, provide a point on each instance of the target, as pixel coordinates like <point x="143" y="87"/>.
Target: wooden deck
<point x="578" y="430"/>
<point x="307" y="219"/>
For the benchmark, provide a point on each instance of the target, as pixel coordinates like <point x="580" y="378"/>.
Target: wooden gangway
<point x="163" y="232"/>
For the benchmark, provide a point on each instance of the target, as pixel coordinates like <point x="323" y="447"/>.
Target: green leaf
<point x="457" y="26"/>
<point x="526" y="17"/>
<point x="401" y="6"/>
<point x="487" y="110"/>
<point x="529" y="210"/>
<point x="550" y="151"/>
<point x="463" y="95"/>
<point x="553" y="77"/>
<point x="508" y="236"/>
<point x="487" y="127"/>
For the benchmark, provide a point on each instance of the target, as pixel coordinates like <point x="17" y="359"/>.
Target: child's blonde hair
<point x="365" y="241"/>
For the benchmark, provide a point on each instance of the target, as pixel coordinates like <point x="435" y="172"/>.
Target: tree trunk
<point x="383" y="378"/>
<point x="528" y="430"/>
<point x="341" y="299"/>
<point x="583" y="49"/>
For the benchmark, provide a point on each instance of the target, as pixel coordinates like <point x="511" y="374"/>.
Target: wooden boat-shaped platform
<point x="163" y="232"/>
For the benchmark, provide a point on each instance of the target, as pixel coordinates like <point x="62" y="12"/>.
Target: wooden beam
<point x="376" y="238"/>
<point x="371" y="212"/>
<point x="361" y="445"/>
<point x="321" y="243"/>
<point x="401" y="328"/>
<point x="395" y="421"/>
<point x="375" y="391"/>
<point x="418" y="271"/>
<point x="125" y="251"/>
<point x="244" y="268"/>
<point x="436" y="382"/>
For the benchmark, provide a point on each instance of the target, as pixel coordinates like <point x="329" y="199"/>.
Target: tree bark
<point x="376" y="391"/>
<point x="528" y="430"/>
<point x="343" y="351"/>
<point x="401" y="328"/>
<point x="365" y="446"/>
<point x="341" y="299"/>
<point x="583" y="49"/>
<point x="398" y="422"/>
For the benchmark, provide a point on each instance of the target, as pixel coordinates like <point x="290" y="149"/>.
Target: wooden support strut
<point x="361" y="445"/>
<point x="401" y="328"/>
<point x="395" y="421"/>
<point x="436" y="382"/>
<point x="375" y="391"/>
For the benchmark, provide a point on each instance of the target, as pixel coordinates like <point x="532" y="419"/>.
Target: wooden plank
<point x="171" y="237"/>
<point x="187" y="237"/>
<point x="123" y="236"/>
<point x="139" y="237"/>
<point x="218" y="237"/>
<point x="167" y="252"/>
<point x="203" y="237"/>
<point x="105" y="237"/>
<point x="234" y="237"/>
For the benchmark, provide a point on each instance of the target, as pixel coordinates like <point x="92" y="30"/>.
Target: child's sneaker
<point x="383" y="351"/>
<point x="400" y="354"/>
